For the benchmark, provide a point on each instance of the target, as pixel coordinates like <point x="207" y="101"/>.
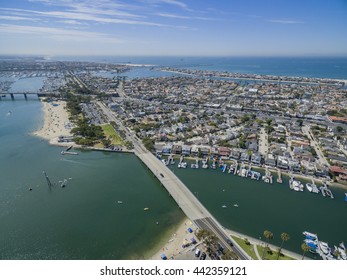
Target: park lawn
<point x="111" y="134"/>
<point x="273" y="256"/>
<point x="247" y="248"/>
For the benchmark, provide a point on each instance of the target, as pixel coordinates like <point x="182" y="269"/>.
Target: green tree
<point x="259" y="121"/>
<point x="148" y="143"/>
<point x="304" y="248"/>
<point x="285" y="237"/>
<point x="208" y="239"/>
<point x="268" y="235"/>
<point x="230" y="255"/>
<point x="245" y="118"/>
<point x="339" y="129"/>
<point x="268" y="121"/>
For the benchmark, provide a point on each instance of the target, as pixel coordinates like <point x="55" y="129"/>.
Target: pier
<point x="279" y="178"/>
<point x="184" y="198"/>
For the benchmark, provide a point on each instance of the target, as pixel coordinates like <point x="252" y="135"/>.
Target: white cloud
<point x="57" y="33"/>
<point x="182" y="17"/>
<point x="85" y="17"/>
<point x="284" y="21"/>
<point x="17" y="18"/>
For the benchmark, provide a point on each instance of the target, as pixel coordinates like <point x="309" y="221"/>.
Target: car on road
<point x="161" y="174"/>
<point x="197" y="253"/>
<point x="229" y="242"/>
<point x="203" y="256"/>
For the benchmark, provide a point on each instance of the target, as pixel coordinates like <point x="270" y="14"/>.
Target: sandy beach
<point x="56" y="122"/>
<point x="172" y="248"/>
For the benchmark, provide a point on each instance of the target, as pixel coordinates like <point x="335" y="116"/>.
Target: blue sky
<point x="174" y="27"/>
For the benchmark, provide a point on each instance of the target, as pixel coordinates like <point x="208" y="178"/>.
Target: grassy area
<point x="272" y="256"/>
<point x="112" y="135"/>
<point x="248" y="248"/>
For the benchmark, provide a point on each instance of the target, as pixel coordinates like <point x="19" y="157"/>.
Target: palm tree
<point x="285" y="237"/>
<point x="304" y="248"/>
<point x="268" y="235"/>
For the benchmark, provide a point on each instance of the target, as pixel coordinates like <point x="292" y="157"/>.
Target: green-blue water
<point x="83" y="220"/>
<point x="273" y="207"/>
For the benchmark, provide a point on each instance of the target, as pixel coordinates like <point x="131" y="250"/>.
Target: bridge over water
<point x="13" y="94"/>
<point x="184" y="198"/>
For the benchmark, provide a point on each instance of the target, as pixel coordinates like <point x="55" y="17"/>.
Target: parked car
<point x="197" y="253"/>
<point x="203" y="256"/>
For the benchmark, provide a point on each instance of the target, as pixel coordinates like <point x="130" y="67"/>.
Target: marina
<point x="323" y="249"/>
<point x="245" y="171"/>
<point x="214" y="186"/>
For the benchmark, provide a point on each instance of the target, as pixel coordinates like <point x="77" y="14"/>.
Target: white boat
<point x="204" y="166"/>
<point x="236" y="205"/>
<point x="310" y="235"/>
<point x="224" y="206"/>
<point x="63" y="184"/>
<point x="342" y="251"/>
<point x="297" y="186"/>
<point x="309" y="187"/>
<point x="324" y="247"/>
<point x="184" y="165"/>
<point x="119" y="202"/>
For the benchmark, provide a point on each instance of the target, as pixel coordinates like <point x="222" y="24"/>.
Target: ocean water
<point x="319" y="67"/>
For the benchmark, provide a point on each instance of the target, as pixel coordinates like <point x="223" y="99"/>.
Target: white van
<point x="197" y="253"/>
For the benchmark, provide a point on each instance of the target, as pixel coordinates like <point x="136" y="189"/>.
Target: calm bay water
<point x="83" y="220"/>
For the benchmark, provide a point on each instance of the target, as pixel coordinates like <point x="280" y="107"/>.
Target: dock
<point x="279" y="176"/>
<point x="67" y="151"/>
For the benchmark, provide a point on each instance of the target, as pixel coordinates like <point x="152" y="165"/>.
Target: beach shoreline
<point x="173" y="246"/>
<point x="55" y="123"/>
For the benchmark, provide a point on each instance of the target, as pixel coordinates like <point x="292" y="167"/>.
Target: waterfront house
<point x="245" y="156"/>
<point x="321" y="171"/>
<point x="214" y="151"/>
<point x="194" y="150"/>
<point x="176" y="149"/>
<point x="167" y="149"/>
<point x="224" y="152"/>
<point x="205" y="150"/>
<point x="235" y="154"/>
<point x="158" y="148"/>
<point x="186" y="150"/>
<point x="282" y="162"/>
<point x="270" y="160"/>
<point x="256" y="158"/>
<point x="294" y="165"/>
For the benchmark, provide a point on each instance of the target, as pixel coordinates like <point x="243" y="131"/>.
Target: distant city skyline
<point x="174" y="27"/>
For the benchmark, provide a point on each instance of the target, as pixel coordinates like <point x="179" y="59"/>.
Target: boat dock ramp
<point x="279" y="176"/>
<point x="67" y="151"/>
<point x="267" y="178"/>
<point x="326" y="192"/>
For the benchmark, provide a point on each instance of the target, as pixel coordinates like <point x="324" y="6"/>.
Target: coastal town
<point x="257" y="126"/>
